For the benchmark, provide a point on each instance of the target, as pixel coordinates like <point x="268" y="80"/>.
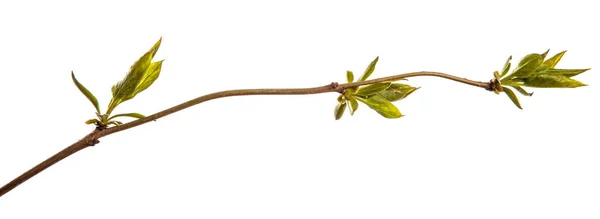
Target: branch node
<point x="493" y="85"/>
<point x="93" y="142"/>
<point x="334" y="85"/>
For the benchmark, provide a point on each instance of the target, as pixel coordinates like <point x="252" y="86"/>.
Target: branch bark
<point x="93" y="138"/>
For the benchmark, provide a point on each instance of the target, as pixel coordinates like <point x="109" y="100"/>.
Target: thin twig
<point x="92" y="138"/>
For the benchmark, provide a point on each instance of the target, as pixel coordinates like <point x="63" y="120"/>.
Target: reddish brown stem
<point x="92" y="138"/>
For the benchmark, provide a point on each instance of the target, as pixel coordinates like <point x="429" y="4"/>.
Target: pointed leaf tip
<point x="552" y="81"/>
<point x="521" y="90"/>
<point x="397" y="92"/>
<point x="86" y="92"/>
<point x="551" y="62"/>
<point x="149" y="77"/>
<point x="527" y="66"/>
<point x="506" y="67"/>
<point x="369" y="70"/>
<point x="141" y="75"/>
<point x="512" y="97"/>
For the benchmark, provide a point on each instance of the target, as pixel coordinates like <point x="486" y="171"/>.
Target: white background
<point x="460" y="151"/>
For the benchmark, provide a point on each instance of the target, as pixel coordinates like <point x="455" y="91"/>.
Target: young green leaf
<point x="353" y="104"/>
<point x="126" y="88"/>
<point x="149" y="77"/>
<point x="566" y="72"/>
<point x="551" y="62"/>
<point x="134" y="115"/>
<point x="372" y="89"/>
<point x="349" y="76"/>
<point x="496" y="75"/>
<point x="512" y="97"/>
<point x="397" y="92"/>
<point x="86" y="93"/>
<point x="551" y="81"/>
<point x="369" y="70"/>
<point x="116" y="123"/>
<point x="339" y="110"/>
<point x="522" y="91"/>
<point x="92" y="121"/>
<point x="527" y="66"/>
<point x="506" y="67"/>
<point x="340" y="98"/>
<point x="381" y="105"/>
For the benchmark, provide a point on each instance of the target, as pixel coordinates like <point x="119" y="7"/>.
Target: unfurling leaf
<point x="397" y="92"/>
<point x="522" y="91"/>
<point x="349" y="76"/>
<point x="130" y="85"/>
<point x="371" y="89"/>
<point x="382" y="106"/>
<point x="506" y="67"/>
<point x="369" y="70"/>
<point x="566" y="72"/>
<point x="86" y="93"/>
<point x="527" y="66"/>
<point x="353" y="104"/>
<point x="339" y="110"/>
<point x="551" y="62"/>
<point x="134" y="115"/>
<point x="551" y="81"/>
<point x="512" y="96"/>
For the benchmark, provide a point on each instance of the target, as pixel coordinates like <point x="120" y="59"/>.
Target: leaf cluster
<point x="534" y="71"/>
<point x="378" y="96"/>
<point x="140" y="76"/>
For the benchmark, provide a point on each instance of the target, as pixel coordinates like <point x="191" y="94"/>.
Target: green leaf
<point x="397" y="92"/>
<point x="551" y="81"/>
<point x="369" y="70"/>
<point x="349" y="76"/>
<point x="116" y="123"/>
<point x="339" y="110"/>
<point x="566" y="72"/>
<point x="496" y="75"/>
<point x="551" y="62"/>
<point x="527" y="66"/>
<point x="134" y="115"/>
<point x="92" y="121"/>
<point x="126" y="88"/>
<point x="381" y="105"/>
<point x="340" y="98"/>
<point x="512" y="97"/>
<point x="506" y="67"/>
<point x="372" y="89"/>
<point x="522" y="91"/>
<point x="353" y="104"/>
<point x="86" y="93"/>
<point x="149" y="77"/>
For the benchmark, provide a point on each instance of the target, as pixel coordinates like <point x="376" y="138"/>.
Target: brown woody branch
<point x="93" y="138"/>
